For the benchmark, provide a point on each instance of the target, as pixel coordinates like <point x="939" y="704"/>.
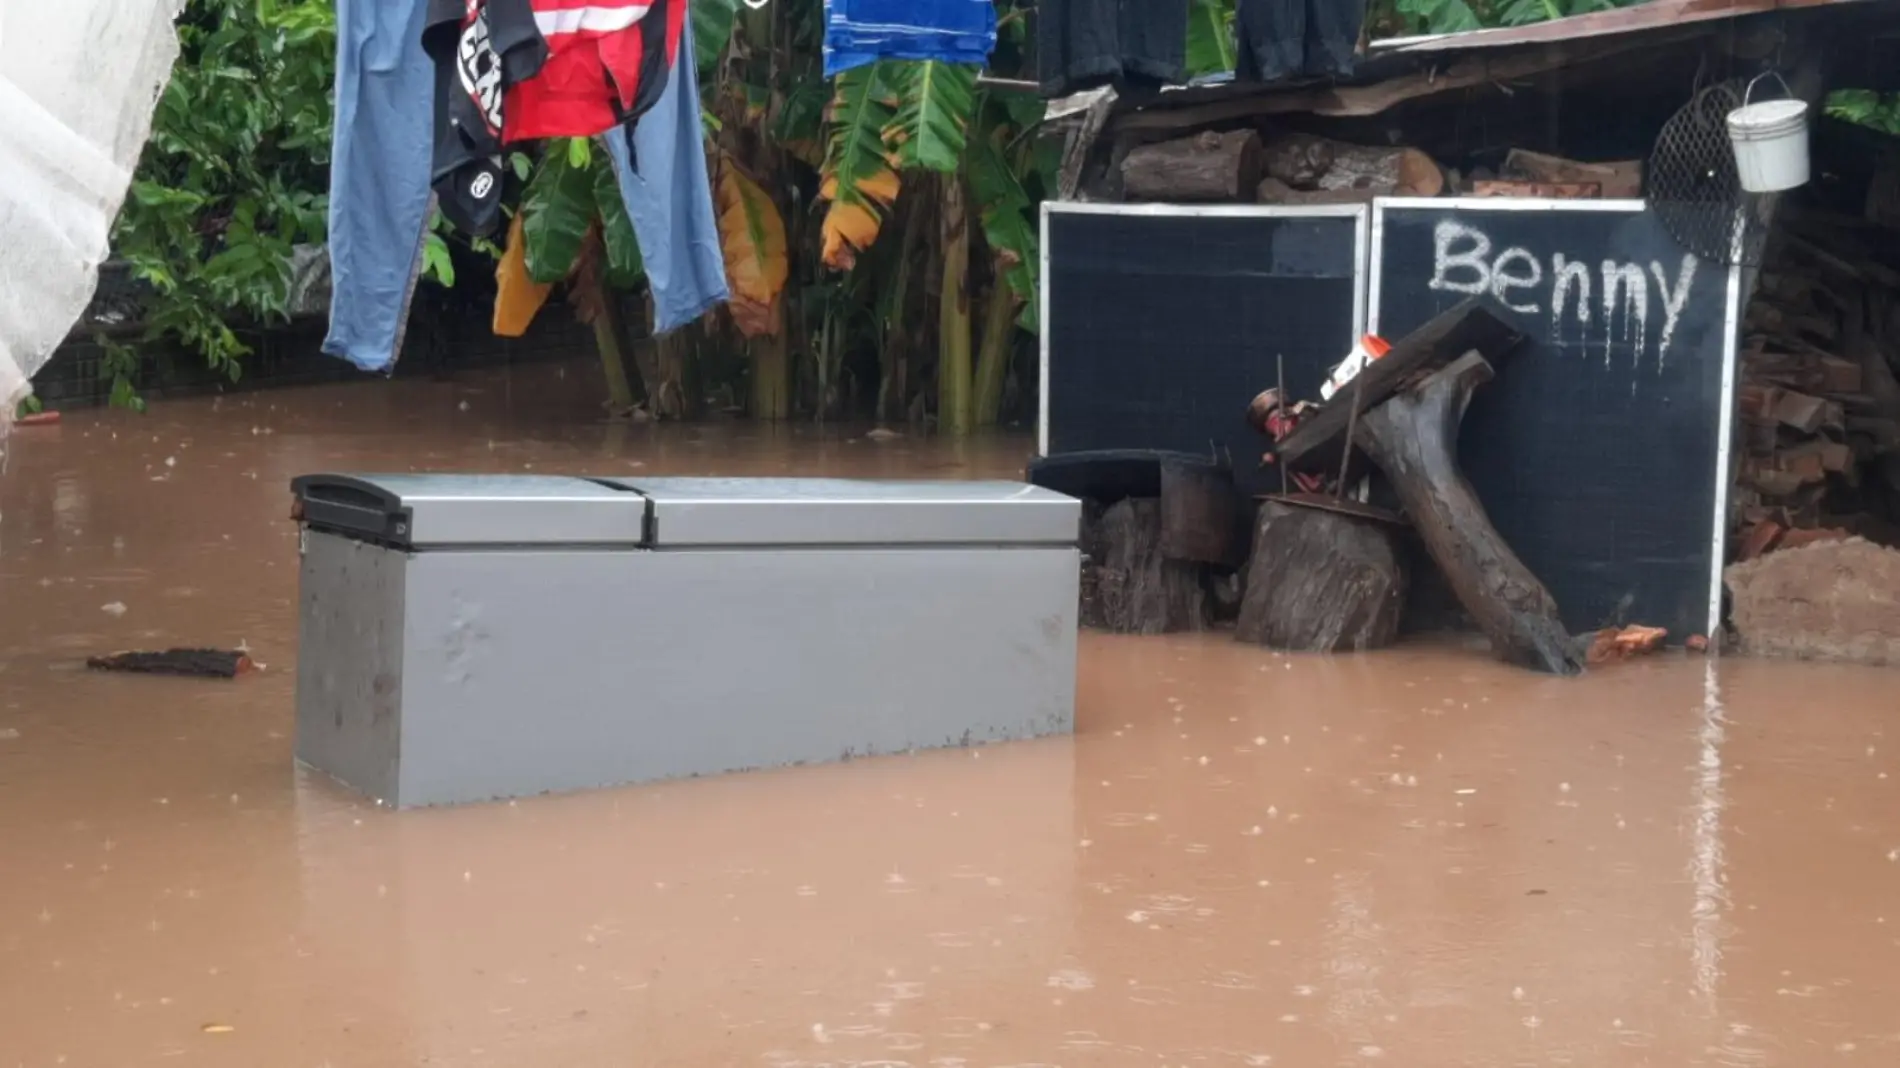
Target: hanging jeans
<point x="669" y="198"/>
<point x="379" y="185"/>
<point x="1281" y="39"/>
<point x="379" y="176"/>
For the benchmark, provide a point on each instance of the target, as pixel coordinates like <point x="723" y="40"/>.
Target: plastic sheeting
<point x="78" y="81"/>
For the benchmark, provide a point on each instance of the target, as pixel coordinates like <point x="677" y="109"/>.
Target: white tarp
<point x="78" y="81"/>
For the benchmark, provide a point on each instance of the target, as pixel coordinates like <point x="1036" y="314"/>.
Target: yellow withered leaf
<point x="752" y="236"/>
<point x="850" y="228"/>
<point x="517" y="297"/>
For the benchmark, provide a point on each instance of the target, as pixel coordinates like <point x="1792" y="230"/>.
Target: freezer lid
<point x="824" y="511"/>
<point x="447" y="510"/>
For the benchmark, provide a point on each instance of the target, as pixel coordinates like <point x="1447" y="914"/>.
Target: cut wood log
<point x="1275" y="191"/>
<point x="1839" y="375"/>
<point x="1208" y="166"/>
<point x="1322" y="582"/>
<point x="1804" y="413"/>
<point x="1128" y="585"/>
<point x="1619" y="180"/>
<point x="1303" y="161"/>
<point x="1548" y="190"/>
<point x="1471" y="326"/>
<point x="1201" y="513"/>
<point x="1413" y="437"/>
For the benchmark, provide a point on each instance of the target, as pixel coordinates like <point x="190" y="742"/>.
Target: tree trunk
<point x="1322" y="582"/>
<point x="894" y="355"/>
<point x="771" y="373"/>
<point x="1207" y="166"/>
<point x="1128" y="586"/>
<point x="992" y="364"/>
<point x="1413" y="437"/>
<point x="956" y="410"/>
<point x="612" y="366"/>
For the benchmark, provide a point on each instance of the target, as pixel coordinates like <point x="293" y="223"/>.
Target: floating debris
<point x="195" y="663"/>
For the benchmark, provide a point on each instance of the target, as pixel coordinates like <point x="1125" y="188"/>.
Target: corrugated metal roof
<point x="1653" y="15"/>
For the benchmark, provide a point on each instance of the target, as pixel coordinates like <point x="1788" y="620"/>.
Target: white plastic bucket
<point x="1771" y="142"/>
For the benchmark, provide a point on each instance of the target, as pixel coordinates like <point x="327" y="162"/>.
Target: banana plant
<point x="575" y="228"/>
<point x="891" y="119"/>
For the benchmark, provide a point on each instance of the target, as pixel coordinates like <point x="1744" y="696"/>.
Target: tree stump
<point x="1128" y="585"/>
<point x="1207" y="166"/>
<point x="1413" y="437"/>
<point x="1322" y="582"/>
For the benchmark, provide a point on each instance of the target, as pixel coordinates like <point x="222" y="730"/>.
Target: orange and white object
<point x="1370" y="348"/>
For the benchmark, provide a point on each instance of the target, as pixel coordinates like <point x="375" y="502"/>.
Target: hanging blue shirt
<point x="858" y="32"/>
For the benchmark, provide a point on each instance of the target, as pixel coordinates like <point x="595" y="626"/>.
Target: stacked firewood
<point x="1819" y="397"/>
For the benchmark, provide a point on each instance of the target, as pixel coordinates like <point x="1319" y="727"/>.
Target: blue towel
<point x="669" y="198"/>
<point x="858" y="32"/>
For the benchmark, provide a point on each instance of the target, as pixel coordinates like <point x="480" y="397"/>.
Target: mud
<point x="1411" y="857"/>
<point x="1831" y="600"/>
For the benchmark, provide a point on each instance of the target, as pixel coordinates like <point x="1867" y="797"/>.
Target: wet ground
<point x="1414" y="858"/>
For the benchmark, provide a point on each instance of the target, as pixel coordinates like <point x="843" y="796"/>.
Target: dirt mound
<point x="1830" y="601"/>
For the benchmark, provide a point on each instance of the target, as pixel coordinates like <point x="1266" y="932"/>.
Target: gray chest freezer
<point x="473" y="637"/>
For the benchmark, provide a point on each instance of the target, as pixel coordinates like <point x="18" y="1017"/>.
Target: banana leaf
<point x="558" y="207"/>
<point x="936" y="103"/>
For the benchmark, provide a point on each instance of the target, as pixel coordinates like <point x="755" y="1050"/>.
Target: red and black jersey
<point x="519" y="70"/>
<point x="608" y="61"/>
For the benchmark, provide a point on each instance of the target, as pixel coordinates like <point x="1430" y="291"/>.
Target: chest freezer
<point x="470" y="637"/>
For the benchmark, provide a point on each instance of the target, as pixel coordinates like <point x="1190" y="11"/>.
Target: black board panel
<point x="1161" y="327"/>
<point x="1595" y="449"/>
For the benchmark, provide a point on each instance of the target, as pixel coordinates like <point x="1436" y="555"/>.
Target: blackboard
<point x="1597" y="447"/>
<point x="1160" y="323"/>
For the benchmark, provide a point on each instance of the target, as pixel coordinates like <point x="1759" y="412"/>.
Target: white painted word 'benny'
<point x="1463" y="263"/>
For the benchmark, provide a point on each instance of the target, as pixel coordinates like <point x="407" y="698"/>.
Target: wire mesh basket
<point x="1694" y="187"/>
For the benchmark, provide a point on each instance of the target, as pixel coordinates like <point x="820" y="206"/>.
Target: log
<point x="1275" y="191"/>
<point x="1413" y="437"/>
<point x="1544" y="190"/>
<point x="1469" y="327"/>
<point x="1303" y="161"/>
<point x="1620" y="180"/>
<point x="1207" y="166"/>
<point x="1128" y="585"/>
<point x="1201" y="513"/>
<point x="198" y="663"/>
<point x="1322" y="582"/>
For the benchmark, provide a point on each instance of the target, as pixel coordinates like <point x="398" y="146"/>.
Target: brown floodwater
<point x="1416" y="857"/>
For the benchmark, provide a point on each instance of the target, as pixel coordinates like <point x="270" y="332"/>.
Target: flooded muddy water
<point x="1414" y="858"/>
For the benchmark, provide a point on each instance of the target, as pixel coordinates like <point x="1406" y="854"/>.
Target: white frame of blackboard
<point x="1361" y="248"/>
<point x="1731" y="319"/>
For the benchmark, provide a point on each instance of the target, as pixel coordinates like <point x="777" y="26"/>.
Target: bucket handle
<point x="1776" y="75"/>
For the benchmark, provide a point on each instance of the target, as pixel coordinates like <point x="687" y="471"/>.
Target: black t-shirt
<point x="480" y="48"/>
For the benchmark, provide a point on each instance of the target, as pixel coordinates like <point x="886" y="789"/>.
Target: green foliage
<point x="1865" y="107"/>
<point x="1210" y="37"/>
<point x="937" y="101"/>
<point x="863" y="106"/>
<point x="573" y="190"/>
<point x="1459" y="16"/>
<point x="233" y="176"/>
<point x="712" y="31"/>
<point x="1437" y="16"/>
<point x="1006" y="210"/>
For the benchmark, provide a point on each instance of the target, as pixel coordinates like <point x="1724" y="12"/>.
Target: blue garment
<point x="380" y="167"/>
<point x="379" y="176"/>
<point x="858" y="32"/>
<point x="669" y="198"/>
